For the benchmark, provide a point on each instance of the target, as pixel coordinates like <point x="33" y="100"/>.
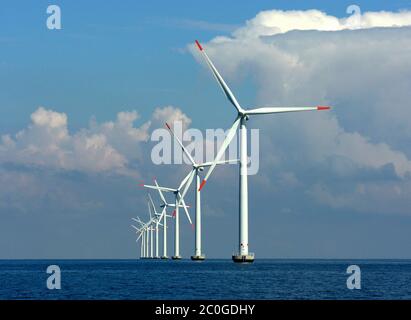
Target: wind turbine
<point x="145" y="230"/>
<point x="150" y="226"/>
<point x="164" y="216"/>
<point x="177" y="195"/>
<point x="138" y="231"/>
<point x="195" y="172"/>
<point x="240" y="122"/>
<point x="142" y="231"/>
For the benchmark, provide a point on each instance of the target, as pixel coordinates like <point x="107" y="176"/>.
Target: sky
<point x="78" y="107"/>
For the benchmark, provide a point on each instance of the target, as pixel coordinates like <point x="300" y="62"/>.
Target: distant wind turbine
<point x="195" y="172"/>
<point x="177" y="195"/>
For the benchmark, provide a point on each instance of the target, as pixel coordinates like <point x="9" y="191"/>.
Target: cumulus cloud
<point x="109" y="146"/>
<point x="170" y="114"/>
<point x="272" y="22"/>
<point x="363" y="71"/>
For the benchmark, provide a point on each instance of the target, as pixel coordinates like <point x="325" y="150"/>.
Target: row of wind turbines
<point x="146" y="230"/>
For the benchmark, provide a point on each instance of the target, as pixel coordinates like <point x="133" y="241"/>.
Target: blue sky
<point x="131" y="47"/>
<point x="112" y="57"/>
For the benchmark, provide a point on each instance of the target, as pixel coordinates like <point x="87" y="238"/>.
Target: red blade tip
<point x="202" y="184"/>
<point x="323" y="108"/>
<point x="168" y="126"/>
<point x="199" y="45"/>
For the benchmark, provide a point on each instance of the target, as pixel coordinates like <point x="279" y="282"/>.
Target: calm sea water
<point x="211" y="279"/>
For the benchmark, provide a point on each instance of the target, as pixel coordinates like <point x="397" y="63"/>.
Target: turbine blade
<point x="268" y="110"/>
<point x="149" y="209"/>
<point x="184" y="181"/>
<point x="227" y="140"/>
<point x="159" y="188"/>
<point x="187" y="186"/>
<point x="181" y="145"/>
<point x="208" y="164"/>
<point x="230" y="96"/>
<point x="163" y="212"/>
<point x="152" y="204"/>
<point x="185" y="209"/>
<point x="161" y="193"/>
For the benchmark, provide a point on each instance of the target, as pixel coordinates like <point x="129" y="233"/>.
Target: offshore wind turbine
<point x="177" y="195"/>
<point x="147" y="230"/>
<point x="149" y="227"/>
<point x="156" y="220"/>
<point x="146" y="236"/>
<point x="195" y="173"/>
<point x="142" y="231"/>
<point x="164" y="216"/>
<point x="139" y="231"/>
<point x="243" y="115"/>
<point x="150" y="223"/>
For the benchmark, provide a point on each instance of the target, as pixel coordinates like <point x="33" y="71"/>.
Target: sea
<point x="210" y="279"/>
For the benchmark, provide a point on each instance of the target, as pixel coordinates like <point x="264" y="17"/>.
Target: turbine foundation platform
<point x="164" y="257"/>
<point x="198" y="258"/>
<point x="243" y="258"/>
<point x="176" y="257"/>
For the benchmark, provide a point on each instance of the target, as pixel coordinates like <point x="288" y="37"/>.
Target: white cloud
<point x="333" y="68"/>
<point x="272" y="22"/>
<point x="169" y="114"/>
<point x="365" y="74"/>
<point x="48" y="118"/>
<point x="109" y="146"/>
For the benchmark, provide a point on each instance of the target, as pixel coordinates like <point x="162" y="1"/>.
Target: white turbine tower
<point x="242" y="116"/>
<point x="139" y="231"/>
<point x="150" y="226"/>
<point x="143" y="232"/>
<point x="156" y="220"/>
<point x="164" y="216"/>
<point x="195" y="172"/>
<point x="146" y="230"/>
<point x="177" y="195"/>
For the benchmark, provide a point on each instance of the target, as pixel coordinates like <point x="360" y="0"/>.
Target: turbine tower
<point x="195" y="173"/>
<point x="142" y="231"/>
<point x="177" y="195"/>
<point x="157" y="219"/>
<point x="163" y="216"/>
<point x="147" y="237"/>
<point x="243" y="115"/>
<point x="139" y="231"/>
<point x="150" y="227"/>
